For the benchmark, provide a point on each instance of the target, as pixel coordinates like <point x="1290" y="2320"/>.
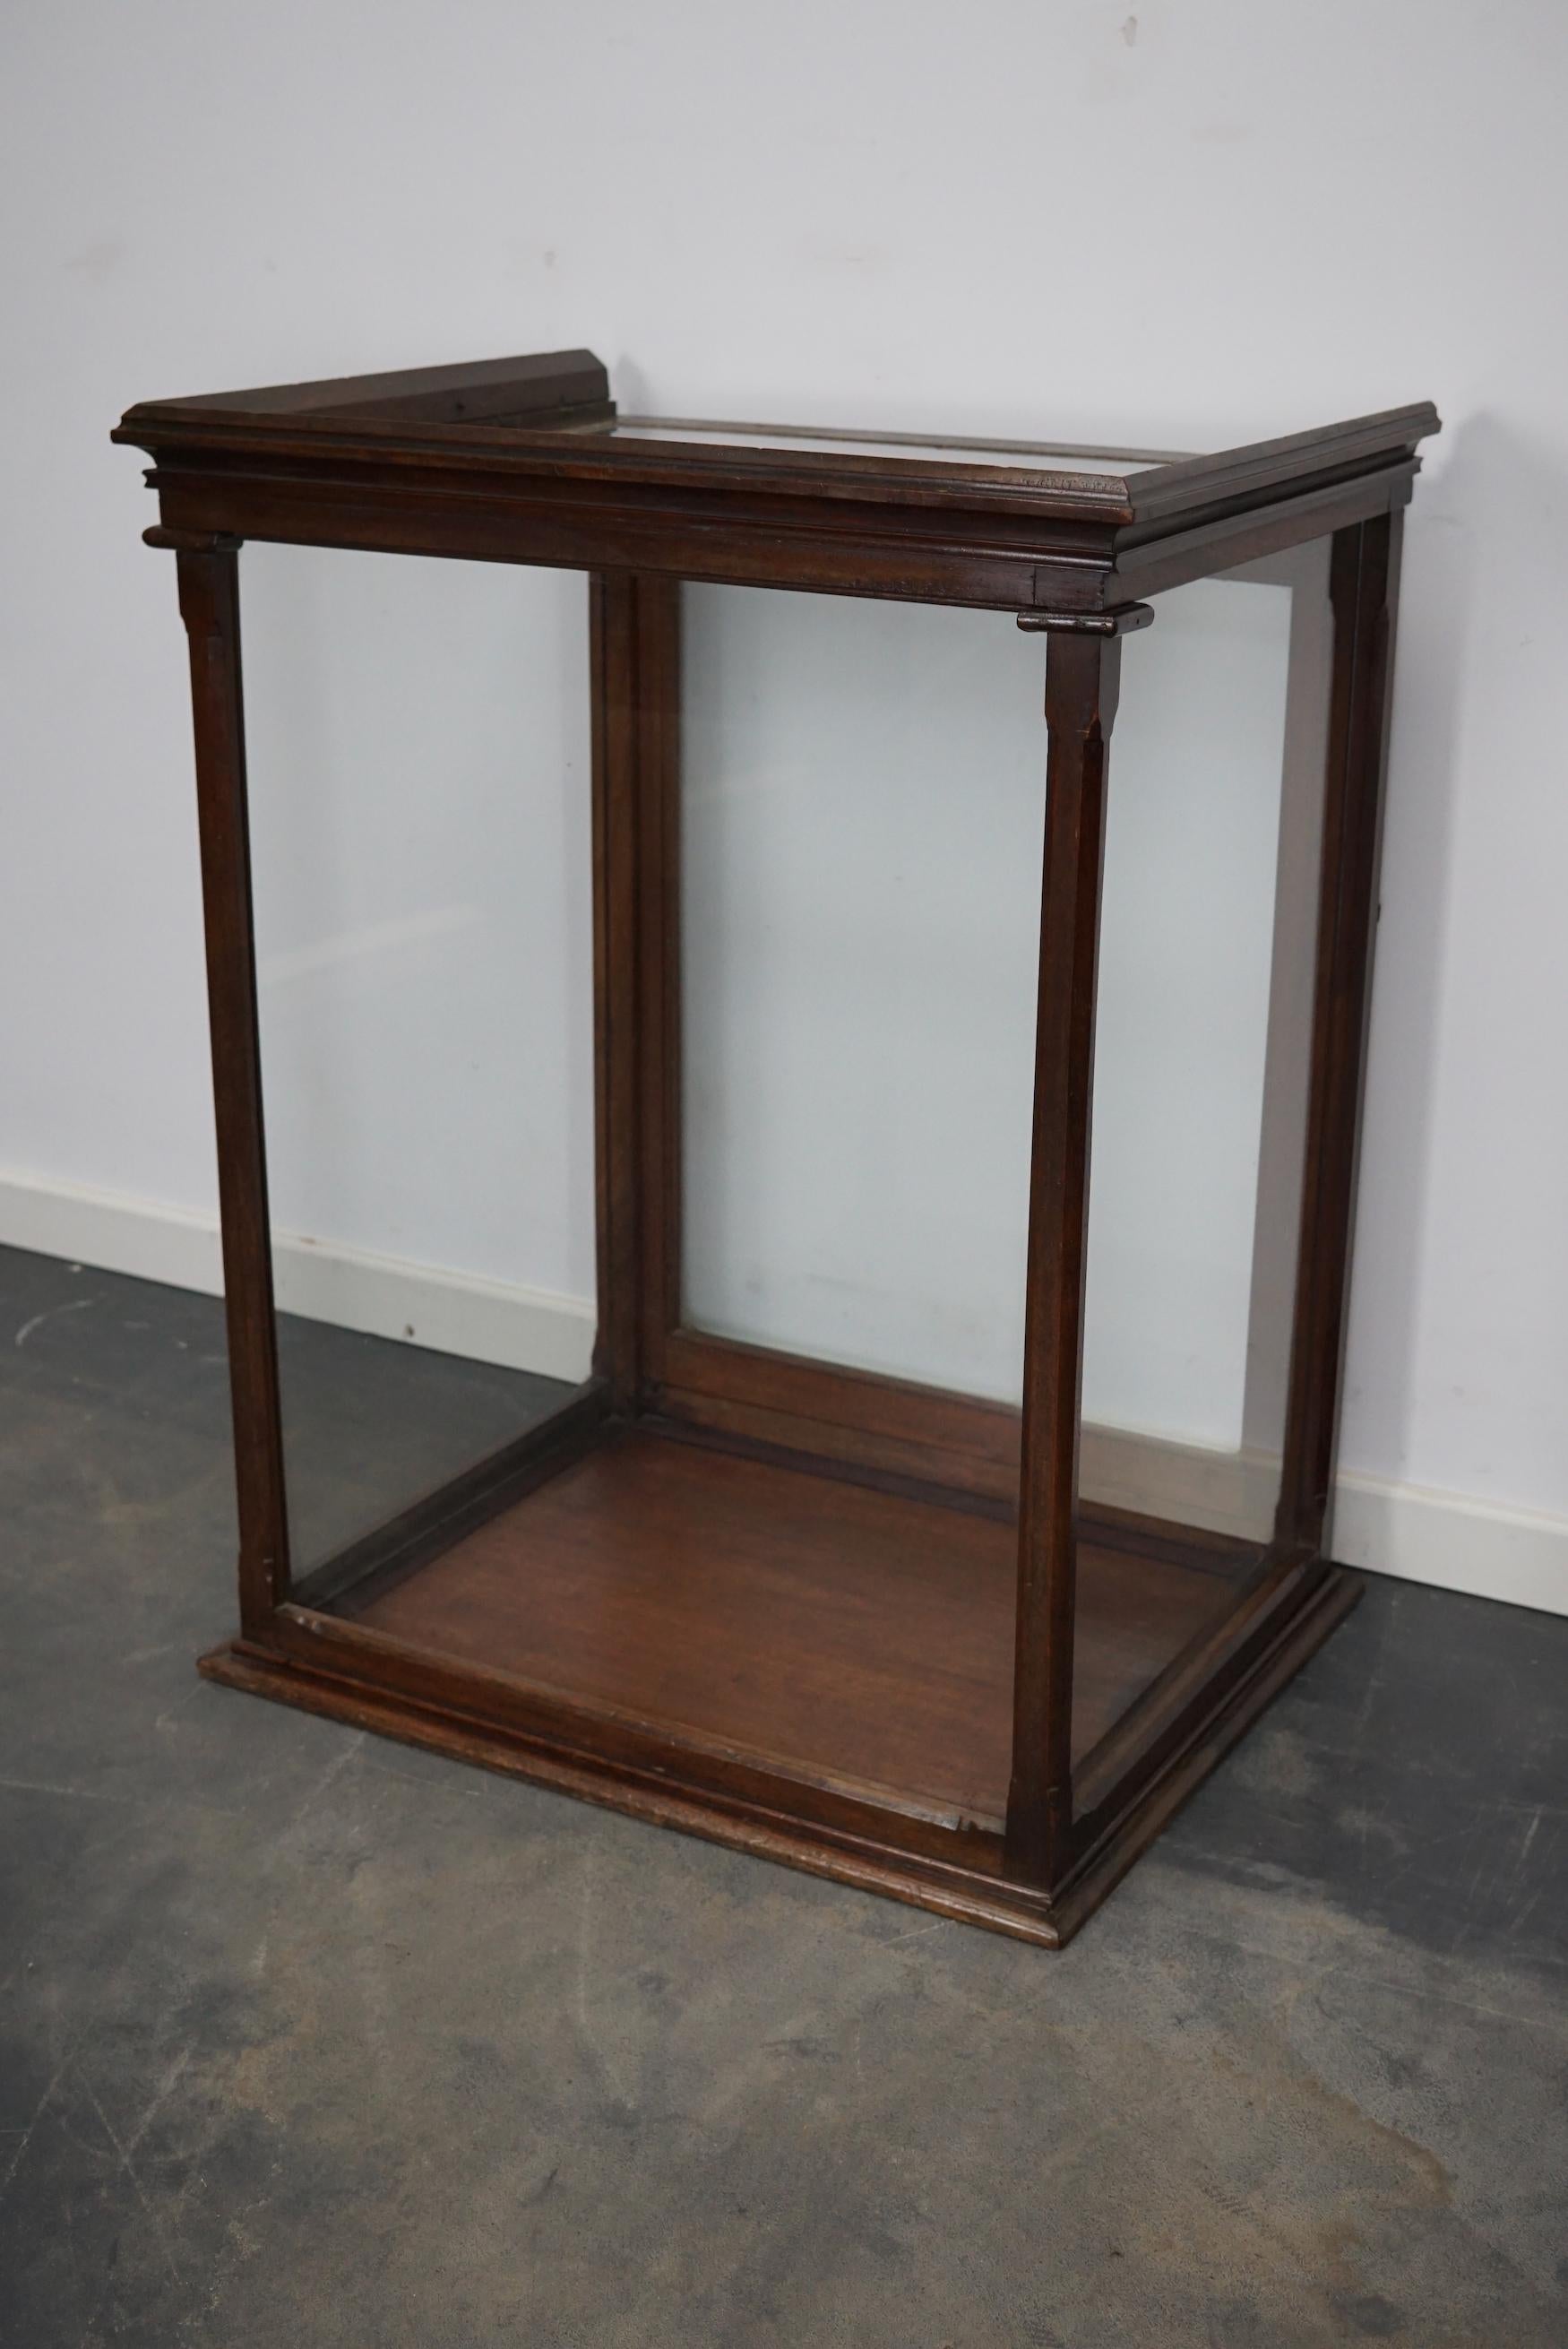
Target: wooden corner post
<point x="634" y="632"/>
<point x="1364" y="590"/>
<point x="1083" y="672"/>
<point x="208" y="567"/>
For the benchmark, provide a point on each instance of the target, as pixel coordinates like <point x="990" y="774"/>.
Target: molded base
<point x="966" y="1887"/>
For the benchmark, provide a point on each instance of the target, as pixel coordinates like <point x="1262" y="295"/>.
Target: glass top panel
<point x="1036" y="456"/>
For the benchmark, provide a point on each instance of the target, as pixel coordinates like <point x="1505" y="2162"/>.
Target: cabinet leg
<point x="1363" y="591"/>
<point x="1083" y="669"/>
<point x="209" y="607"/>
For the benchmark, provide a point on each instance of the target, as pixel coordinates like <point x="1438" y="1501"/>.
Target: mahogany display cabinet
<point x="962" y="1627"/>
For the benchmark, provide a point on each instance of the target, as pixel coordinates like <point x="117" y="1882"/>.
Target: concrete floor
<point x="309" y="2040"/>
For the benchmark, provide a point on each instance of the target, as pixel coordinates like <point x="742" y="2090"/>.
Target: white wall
<point x="862" y="212"/>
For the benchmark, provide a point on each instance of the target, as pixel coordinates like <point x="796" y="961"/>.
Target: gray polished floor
<point x="309" y="2040"/>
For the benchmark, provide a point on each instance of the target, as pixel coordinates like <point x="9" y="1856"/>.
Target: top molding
<point x="546" y="391"/>
<point x="541" y="435"/>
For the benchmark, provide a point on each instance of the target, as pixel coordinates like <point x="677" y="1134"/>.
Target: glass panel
<point x="862" y="817"/>
<point x="1036" y="455"/>
<point x="863" y="794"/>
<point x="1207" y="945"/>
<point x="419" y="764"/>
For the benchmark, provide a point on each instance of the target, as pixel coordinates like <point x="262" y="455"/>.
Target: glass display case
<point x="913" y="1461"/>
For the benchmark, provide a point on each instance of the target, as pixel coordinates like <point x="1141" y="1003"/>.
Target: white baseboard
<point x="451" y="1312"/>
<point x="1448" y="1538"/>
<point x="1458" y="1543"/>
<point x="113" y="1231"/>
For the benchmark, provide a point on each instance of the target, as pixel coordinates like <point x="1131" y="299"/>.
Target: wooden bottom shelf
<point x="848" y="1636"/>
<point x="790" y="1661"/>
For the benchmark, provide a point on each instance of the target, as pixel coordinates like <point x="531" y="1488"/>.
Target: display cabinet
<point x="926" y="1514"/>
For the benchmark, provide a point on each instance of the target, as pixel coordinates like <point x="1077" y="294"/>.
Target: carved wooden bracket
<point x="1118" y="623"/>
<point x="192" y="541"/>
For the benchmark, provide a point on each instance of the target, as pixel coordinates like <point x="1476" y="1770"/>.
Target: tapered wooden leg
<point x="634" y="635"/>
<point x="1083" y="669"/>
<point x="611" y="607"/>
<point x="1364" y="592"/>
<point x="209" y="607"/>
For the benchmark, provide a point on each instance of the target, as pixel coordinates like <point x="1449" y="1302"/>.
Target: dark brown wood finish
<point x="1083" y="677"/>
<point x="634" y="624"/>
<point x="348" y="1674"/>
<point x="658" y="1032"/>
<point x="547" y="392"/>
<point x="852" y="1635"/>
<point x="1364" y="587"/>
<point x="612" y="657"/>
<point x="361" y="463"/>
<point x="859" y="1417"/>
<point x="842" y="1620"/>
<point x="209" y="607"/>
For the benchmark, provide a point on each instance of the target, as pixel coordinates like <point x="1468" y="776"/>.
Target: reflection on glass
<point x="418" y="803"/>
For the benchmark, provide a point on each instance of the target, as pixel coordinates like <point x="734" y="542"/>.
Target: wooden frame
<point x="705" y="1468"/>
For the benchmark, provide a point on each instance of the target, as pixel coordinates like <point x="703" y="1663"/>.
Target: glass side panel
<point x="1032" y="456"/>
<point x="1201" y="1051"/>
<point x="1202" y="1061"/>
<point x="863" y="789"/>
<point x="419" y="769"/>
<point x="863" y="794"/>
